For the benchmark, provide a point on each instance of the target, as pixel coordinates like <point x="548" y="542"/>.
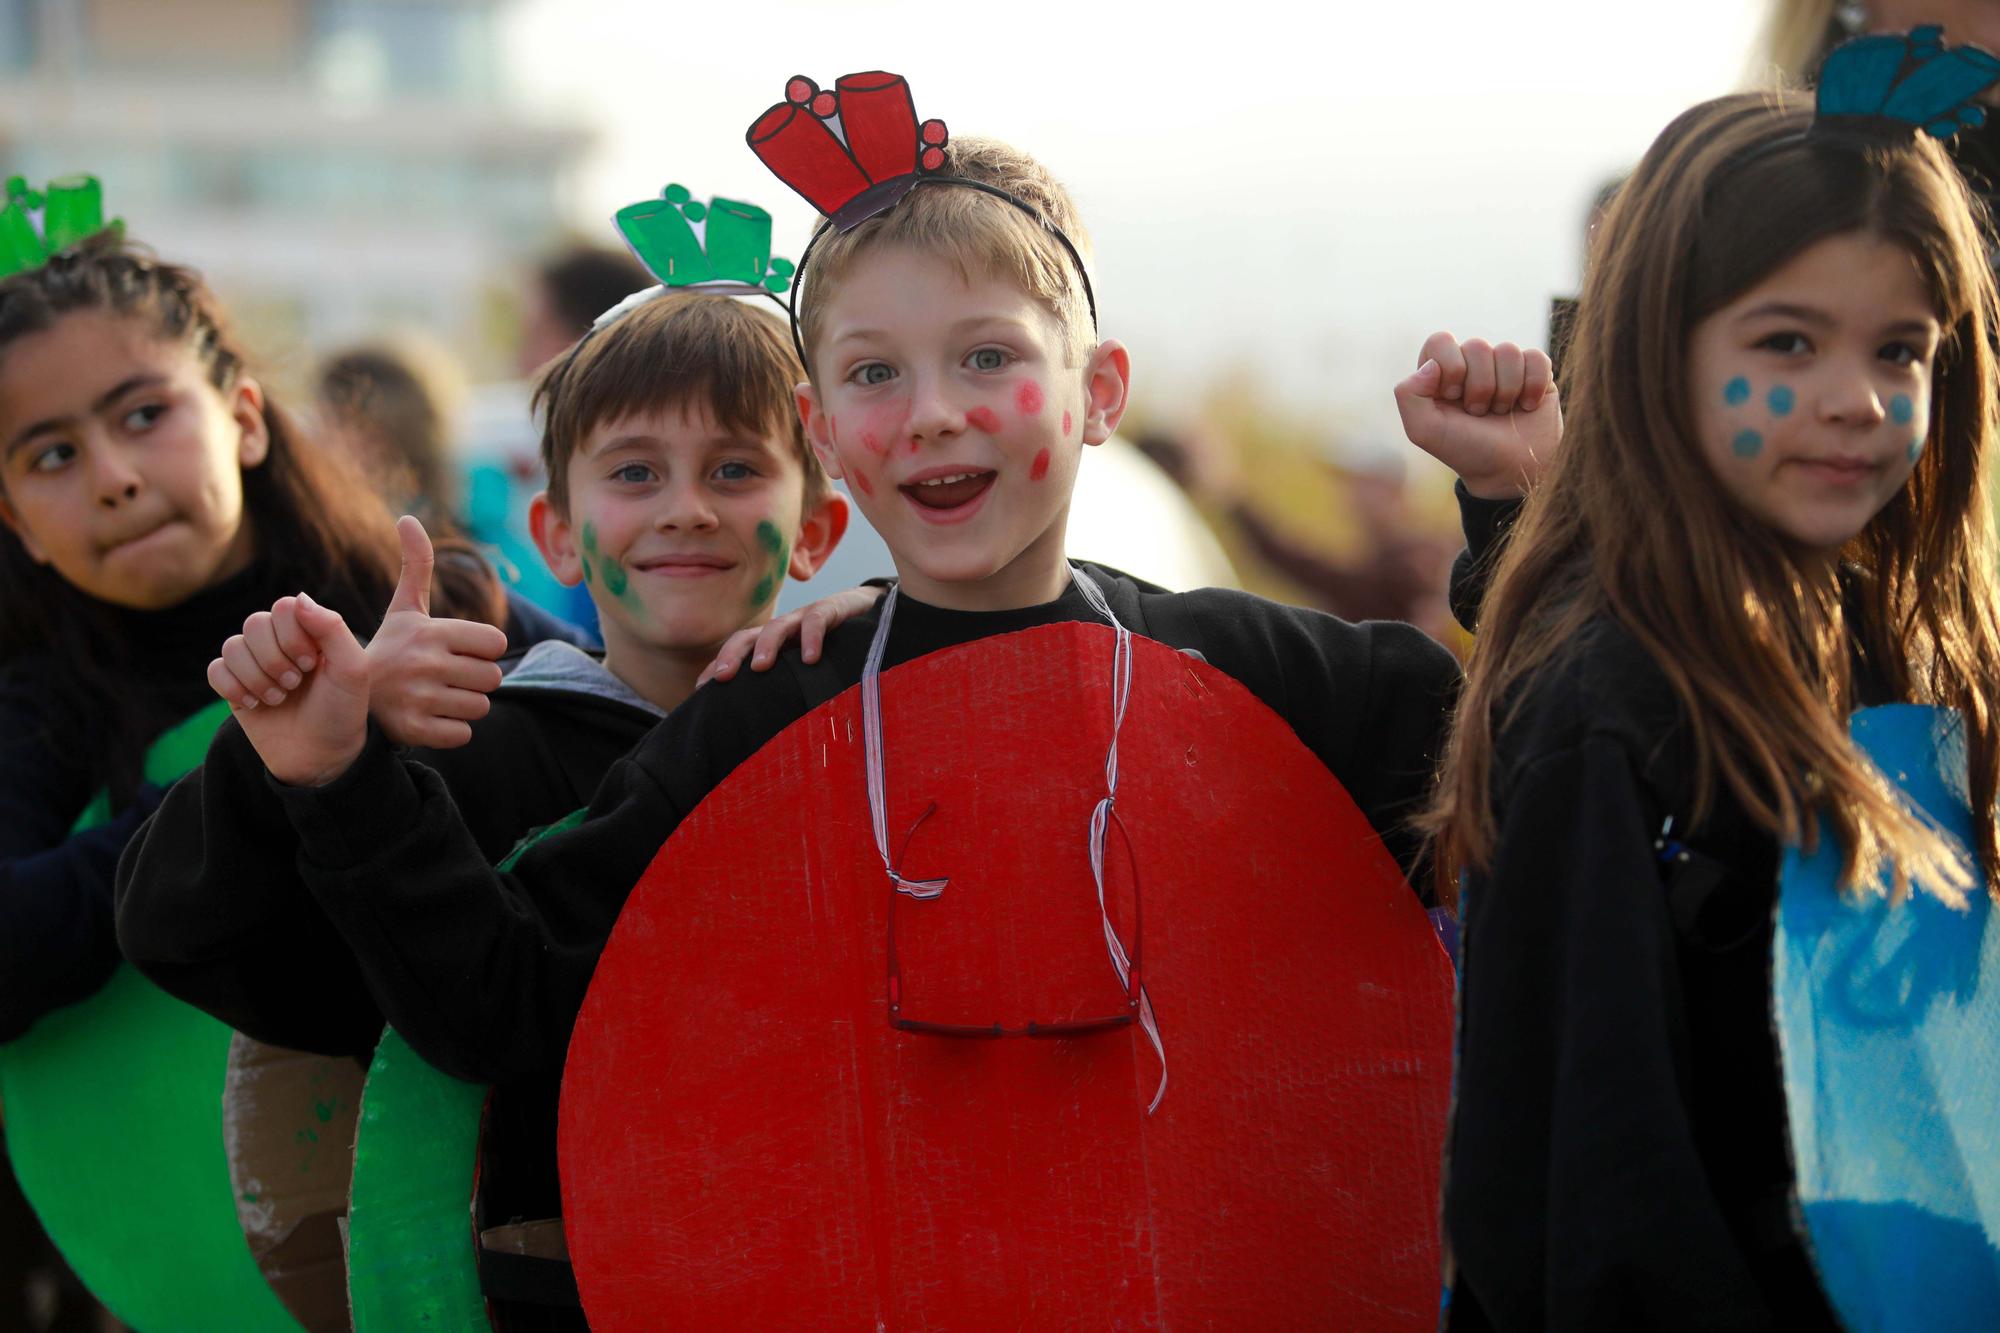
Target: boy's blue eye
<point x="735" y="470"/>
<point x="988" y="358"/>
<point x="874" y="372"/>
<point x="632" y="472"/>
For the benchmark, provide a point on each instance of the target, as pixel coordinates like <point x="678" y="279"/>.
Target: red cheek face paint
<point x="1040" y="467"/>
<point x="885" y="425"/>
<point x="871" y="444"/>
<point x="1065" y="425"/>
<point x="1028" y="398"/>
<point x="861" y="481"/>
<point x="984" y="418"/>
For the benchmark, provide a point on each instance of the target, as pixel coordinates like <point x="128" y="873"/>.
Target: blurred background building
<point x="335" y="166"/>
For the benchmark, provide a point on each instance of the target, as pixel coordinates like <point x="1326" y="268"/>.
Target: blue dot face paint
<point x="1747" y="444"/>
<point x="1736" y="392"/>
<point x="1901" y="410"/>
<point x="1781" y="400"/>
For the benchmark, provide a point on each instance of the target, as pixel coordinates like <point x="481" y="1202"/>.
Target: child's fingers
<point x="242" y="663"/>
<point x="413" y="584"/>
<point x="260" y="636"/>
<point x="473" y="638"/>
<point x="1480" y="376"/>
<point x="1509" y="374"/>
<point x="436" y="733"/>
<point x="293" y="641"/>
<point x="1538" y="374"/>
<point x="1416" y="403"/>
<point x="223" y="681"/>
<point x="734" y="652"/>
<point x="338" y="648"/>
<point x="812" y="632"/>
<point x="460" y="705"/>
<point x="772" y="638"/>
<point x="471" y="673"/>
<point x="1445" y="350"/>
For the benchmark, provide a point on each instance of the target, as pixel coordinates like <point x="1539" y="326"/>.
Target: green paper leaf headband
<point x="722" y="247"/>
<point x="72" y="209"/>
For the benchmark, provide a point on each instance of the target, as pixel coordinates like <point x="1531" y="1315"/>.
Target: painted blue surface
<point x="1888" y="1018"/>
<point x="1736" y="392"/>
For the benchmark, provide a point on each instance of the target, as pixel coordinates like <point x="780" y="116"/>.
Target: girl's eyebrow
<point x="143" y="380"/>
<point x="1805" y="314"/>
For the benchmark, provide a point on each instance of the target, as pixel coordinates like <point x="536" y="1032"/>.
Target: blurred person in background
<point x="1397" y="571"/>
<point x="392" y="407"/>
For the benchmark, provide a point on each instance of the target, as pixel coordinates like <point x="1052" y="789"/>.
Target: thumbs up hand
<point x="429" y="678"/>
<point x="298" y="682"/>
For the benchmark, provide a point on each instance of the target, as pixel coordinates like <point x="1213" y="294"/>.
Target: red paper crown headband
<point x="853" y="151"/>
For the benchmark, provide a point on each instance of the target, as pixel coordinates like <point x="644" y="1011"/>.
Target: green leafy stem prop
<point x="72" y="208"/>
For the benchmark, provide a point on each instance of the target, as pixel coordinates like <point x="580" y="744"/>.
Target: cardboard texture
<point x="1889" y="1024"/>
<point x="288" y="1121"/>
<point x="412" y="1259"/>
<point x="746" y="1142"/>
<point x="114" y="1126"/>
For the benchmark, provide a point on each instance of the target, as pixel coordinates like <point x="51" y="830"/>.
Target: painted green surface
<point x="114" y="1124"/>
<point x="780" y="551"/>
<point x="411" y="1256"/>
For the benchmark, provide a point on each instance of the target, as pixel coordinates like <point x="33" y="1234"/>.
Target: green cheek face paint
<point x="780" y="551"/>
<point x="616" y="581"/>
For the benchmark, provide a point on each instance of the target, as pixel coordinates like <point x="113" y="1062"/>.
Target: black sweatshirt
<point x="56" y="938"/>
<point x="483" y="971"/>
<point x="1619" y="1153"/>
<point x="211" y="905"/>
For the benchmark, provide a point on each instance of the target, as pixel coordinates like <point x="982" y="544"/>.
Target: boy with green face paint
<point x="680" y="493"/>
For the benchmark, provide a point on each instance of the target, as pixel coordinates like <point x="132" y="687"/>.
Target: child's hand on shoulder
<point x="760" y="644"/>
<point x="429" y="678"/>
<point x="297" y="681"/>
<point x="1489" y="413"/>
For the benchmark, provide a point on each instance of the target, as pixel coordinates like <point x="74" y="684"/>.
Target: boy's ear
<point x="820" y="529"/>
<point x="1107" y="386"/>
<point x="556" y="540"/>
<point x="246" y="409"/>
<point x="819" y="431"/>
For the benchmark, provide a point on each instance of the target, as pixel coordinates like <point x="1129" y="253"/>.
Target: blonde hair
<point x="1797" y="36"/>
<point x="1629" y="525"/>
<point x="979" y="235"/>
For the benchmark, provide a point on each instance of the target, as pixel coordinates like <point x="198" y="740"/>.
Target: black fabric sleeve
<point x="1370" y="700"/>
<point x="57" y="945"/>
<point x="1486" y="524"/>
<point x="482" y="970"/>
<point x="212" y="910"/>
<point x="1576" y="1197"/>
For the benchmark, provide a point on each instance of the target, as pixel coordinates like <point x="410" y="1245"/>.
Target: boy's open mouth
<point x="950" y="490"/>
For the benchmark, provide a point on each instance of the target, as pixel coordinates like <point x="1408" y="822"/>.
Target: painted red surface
<point x="1040" y="467"/>
<point x="747" y="1143"/>
<point x="984" y="418"/>
<point x="1028" y="398"/>
<point x="861" y="480"/>
<point x="1065" y="425"/>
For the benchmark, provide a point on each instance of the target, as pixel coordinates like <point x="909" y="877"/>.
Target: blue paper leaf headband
<point x="1903" y="83"/>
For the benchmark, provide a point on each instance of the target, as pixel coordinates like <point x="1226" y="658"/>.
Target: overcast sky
<point x="1307" y="196"/>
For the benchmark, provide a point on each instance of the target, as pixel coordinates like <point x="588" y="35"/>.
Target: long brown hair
<point x="321" y="528"/>
<point x="1628" y="523"/>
